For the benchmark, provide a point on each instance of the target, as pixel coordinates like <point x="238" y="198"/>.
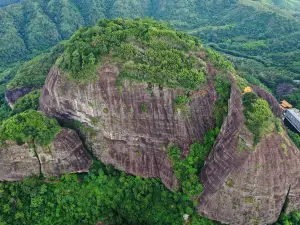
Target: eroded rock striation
<point x="65" y="155"/>
<point x="133" y="125"/>
<point x="245" y="184"/>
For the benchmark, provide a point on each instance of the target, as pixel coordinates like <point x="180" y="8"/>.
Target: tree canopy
<point x="31" y="127"/>
<point x="146" y="51"/>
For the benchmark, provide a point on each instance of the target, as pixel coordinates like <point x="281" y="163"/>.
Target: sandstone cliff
<point x="65" y="155"/>
<point x="245" y="184"/>
<point x="133" y="125"/>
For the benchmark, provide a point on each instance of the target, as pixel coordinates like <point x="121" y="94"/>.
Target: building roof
<point x="295" y="113"/>
<point x="282" y="107"/>
<point x="285" y="104"/>
<point x="247" y="89"/>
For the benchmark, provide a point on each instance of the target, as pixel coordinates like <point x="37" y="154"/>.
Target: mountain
<point x="155" y="103"/>
<point x="292" y="5"/>
<point x="260" y="37"/>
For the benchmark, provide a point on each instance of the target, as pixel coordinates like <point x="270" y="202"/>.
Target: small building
<point x="285" y="105"/>
<point x="247" y="90"/>
<point x="293" y="116"/>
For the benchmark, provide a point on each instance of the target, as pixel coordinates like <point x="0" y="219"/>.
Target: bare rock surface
<point x="65" y="155"/>
<point x="134" y="123"/>
<point x="17" y="162"/>
<point x="132" y="126"/>
<point x="12" y="96"/>
<point x="245" y="184"/>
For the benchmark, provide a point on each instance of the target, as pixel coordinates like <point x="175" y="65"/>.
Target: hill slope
<point x="261" y="37"/>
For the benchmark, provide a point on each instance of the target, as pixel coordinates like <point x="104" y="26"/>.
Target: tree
<point x="31" y="127"/>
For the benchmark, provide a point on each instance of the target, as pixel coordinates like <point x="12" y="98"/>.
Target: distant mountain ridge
<point x="260" y="37"/>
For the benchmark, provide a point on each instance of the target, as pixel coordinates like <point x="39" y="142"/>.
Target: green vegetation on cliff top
<point x="259" y="117"/>
<point x="144" y="49"/>
<point x="260" y="37"/>
<point x="30" y="127"/>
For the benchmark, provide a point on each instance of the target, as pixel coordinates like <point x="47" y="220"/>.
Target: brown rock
<point x="17" y="162"/>
<point x="65" y="155"/>
<point x="245" y="184"/>
<point x="133" y="125"/>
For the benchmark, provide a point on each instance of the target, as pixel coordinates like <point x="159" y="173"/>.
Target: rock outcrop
<point x="132" y="126"/>
<point x="65" y="155"/>
<point x="245" y="184"/>
<point x="134" y="123"/>
<point x="17" y="162"/>
<point x="12" y="96"/>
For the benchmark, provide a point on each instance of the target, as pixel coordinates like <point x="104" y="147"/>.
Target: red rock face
<point x="132" y="127"/>
<point x="245" y="184"/>
<point x="134" y="123"/>
<point x="65" y="155"/>
<point x="17" y="162"/>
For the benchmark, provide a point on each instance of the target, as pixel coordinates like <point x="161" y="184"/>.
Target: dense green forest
<point x="260" y="37"/>
<point x="103" y="195"/>
<point x="7" y="2"/>
<point x="146" y="50"/>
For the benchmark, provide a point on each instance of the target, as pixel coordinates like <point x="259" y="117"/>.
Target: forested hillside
<point x="261" y="37"/>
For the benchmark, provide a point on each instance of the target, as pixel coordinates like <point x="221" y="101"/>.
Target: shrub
<point x="31" y="127"/>
<point x="29" y="101"/>
<point x="147" y="51"/>
<point x="259" y="117"/>
<point x="187" y="171"/>
<point x="181" y="100"/>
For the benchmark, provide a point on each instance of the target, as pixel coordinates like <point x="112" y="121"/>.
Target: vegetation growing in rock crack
<point x="187" y="170"/>
<point x="259" y="117"/>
